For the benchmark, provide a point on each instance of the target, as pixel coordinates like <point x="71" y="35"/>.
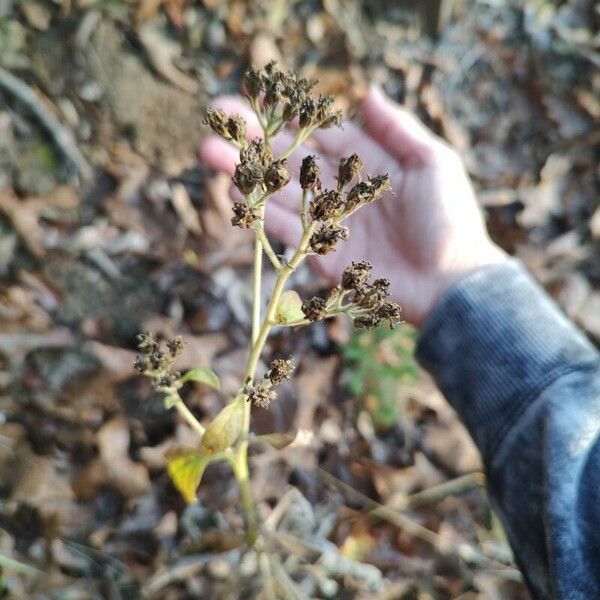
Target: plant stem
<point x="264" y="240"/>
<point x="259" y="337"/>
<point x="190" y="419"/>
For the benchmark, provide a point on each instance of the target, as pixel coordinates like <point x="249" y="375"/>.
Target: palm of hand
<point x="412" y="234"/>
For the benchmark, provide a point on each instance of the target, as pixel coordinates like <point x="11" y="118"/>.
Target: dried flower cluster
<point x="157" y="362"/>
<point x="261" y="392"/>
<point x="366" y="303"/>
<point x="277" y="98"/>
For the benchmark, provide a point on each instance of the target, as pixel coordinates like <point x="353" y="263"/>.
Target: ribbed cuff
<point x="493" y="343"/>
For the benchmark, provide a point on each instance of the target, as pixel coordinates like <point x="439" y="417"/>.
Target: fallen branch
<point x="61" y="135"/>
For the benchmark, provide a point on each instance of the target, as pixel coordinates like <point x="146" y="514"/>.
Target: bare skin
<point x="424" y="235"/>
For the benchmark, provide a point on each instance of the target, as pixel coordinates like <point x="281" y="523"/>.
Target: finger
<point x="397" y="130"/>
<point x="218" y="154"/>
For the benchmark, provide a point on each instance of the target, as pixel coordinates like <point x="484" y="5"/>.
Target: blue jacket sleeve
<point x="526" y="383"/>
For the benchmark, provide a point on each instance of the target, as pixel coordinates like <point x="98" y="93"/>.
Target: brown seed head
<point x="247" y="176"/>
<point x="356" y="275"/>
<point x="390" y="312"/>
<point x="368" y="191"/>
<point x="244" y="215"/>
<point x="253" y="83"/>
<point x="324" y="240"/>
<point x="276" y="175"/>
<point x="236" y="128"/>
<point x="348" y="169"/>
<point x="367" y="321"/>
<point x="261" y="395"/>
<point x="217" y="120"/>
<point x="141" y="364"/>
<point x="314" y="309"/>
<point x="175" y="346"/>
<point x="326" y="205"/>
<point x="280" y="370"/>
<point x="309" y="173"/>
<point x="257" y="153"/>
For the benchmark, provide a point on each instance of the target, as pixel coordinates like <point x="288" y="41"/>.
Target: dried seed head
<point x="166" y="381"/>
<point x="280" y="370"/>
<point x="246" y="177"/>
<point x="236" y="128"/>
<point x="390" y="312"/>
<point x="261" y="394"/>
<point x="158" y="360"/>
<point x="141" y="363"/>
<point x="217" y="120"/>
<point x="253" y="83"/>
<point x="368" y="191"/>
<point x="244" y="215"/>
<point x="308" y="113"/>
<point x="324" y="240"/>
<point x="314" y="309"/>
<point x="370" y="296"/>
<point x="356" y="275"/>
<point x="367" y="321"/>
<point x="257" y="153"/>
<point x="333" y="120"/>
<point x="309" y="173"/>
<point x="147" y="342"/>
<point x="276" y="175"/>
<point x="326" y="205"/>
<point x="348" y="169"/>
<point x="175" y="346"/>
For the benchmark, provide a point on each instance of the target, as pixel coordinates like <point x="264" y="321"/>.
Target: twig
<point x="61" y="135"/>
<point x="465" y="551"/>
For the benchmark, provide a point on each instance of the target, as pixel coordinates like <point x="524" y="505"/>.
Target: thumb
<point x="394" y="128"/>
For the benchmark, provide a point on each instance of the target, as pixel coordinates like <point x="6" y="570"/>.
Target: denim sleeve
<point x="526" y="383"/>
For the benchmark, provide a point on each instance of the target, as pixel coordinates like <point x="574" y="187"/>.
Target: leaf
<point x="289" y="308"/>
<point x="186" y="467"/>
<point x="277" y="440"/>
<point x="225" y="428"/>
<point x="203" y="375"/>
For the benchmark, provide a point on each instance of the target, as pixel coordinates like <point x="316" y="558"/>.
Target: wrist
<point x="461" y="267"/>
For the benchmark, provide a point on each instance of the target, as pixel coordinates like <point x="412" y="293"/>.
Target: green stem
<point x="264" y="240"/>
<point x="191" y="420"/>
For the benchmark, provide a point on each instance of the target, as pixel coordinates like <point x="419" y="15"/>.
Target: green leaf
<point x="203" y="375"/>
<point x="277" y="440"/>
<point x="186" y="467"/>
<point x="225" y="428"/>
<point x="289" y="308"/>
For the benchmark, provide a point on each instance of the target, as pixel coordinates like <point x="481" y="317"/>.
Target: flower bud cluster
<point x="288" y="96"/>
<point x="156" y="362"/>
<point x="370" y="300"/>
<point x="261" y="393"/>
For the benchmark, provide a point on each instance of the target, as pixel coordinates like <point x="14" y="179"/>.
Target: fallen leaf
<point x="129" y="477"/>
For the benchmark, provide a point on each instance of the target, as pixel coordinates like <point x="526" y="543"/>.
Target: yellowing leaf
<point x="289" y="308"/>
<point x="203" y="375"/>
<point x="186" y="467"/>
<point x="225" y="428"/>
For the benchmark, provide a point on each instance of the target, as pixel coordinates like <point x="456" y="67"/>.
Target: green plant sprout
<point x="376" y="364"/>
<point x="278" y="98"/>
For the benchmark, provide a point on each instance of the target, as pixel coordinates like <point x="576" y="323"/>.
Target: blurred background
<point x="109" y="225"/>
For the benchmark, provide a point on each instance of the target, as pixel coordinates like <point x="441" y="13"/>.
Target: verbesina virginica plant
<point x="278" y="98"/>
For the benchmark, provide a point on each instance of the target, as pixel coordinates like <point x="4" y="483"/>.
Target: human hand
<point x="423" y="235"/>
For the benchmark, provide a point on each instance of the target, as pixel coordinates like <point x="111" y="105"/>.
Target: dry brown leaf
<point x="162" y="52"/>
<point x="129" y="477"/>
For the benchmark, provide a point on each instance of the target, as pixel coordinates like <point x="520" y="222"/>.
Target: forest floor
<point x="109" y="226"/>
